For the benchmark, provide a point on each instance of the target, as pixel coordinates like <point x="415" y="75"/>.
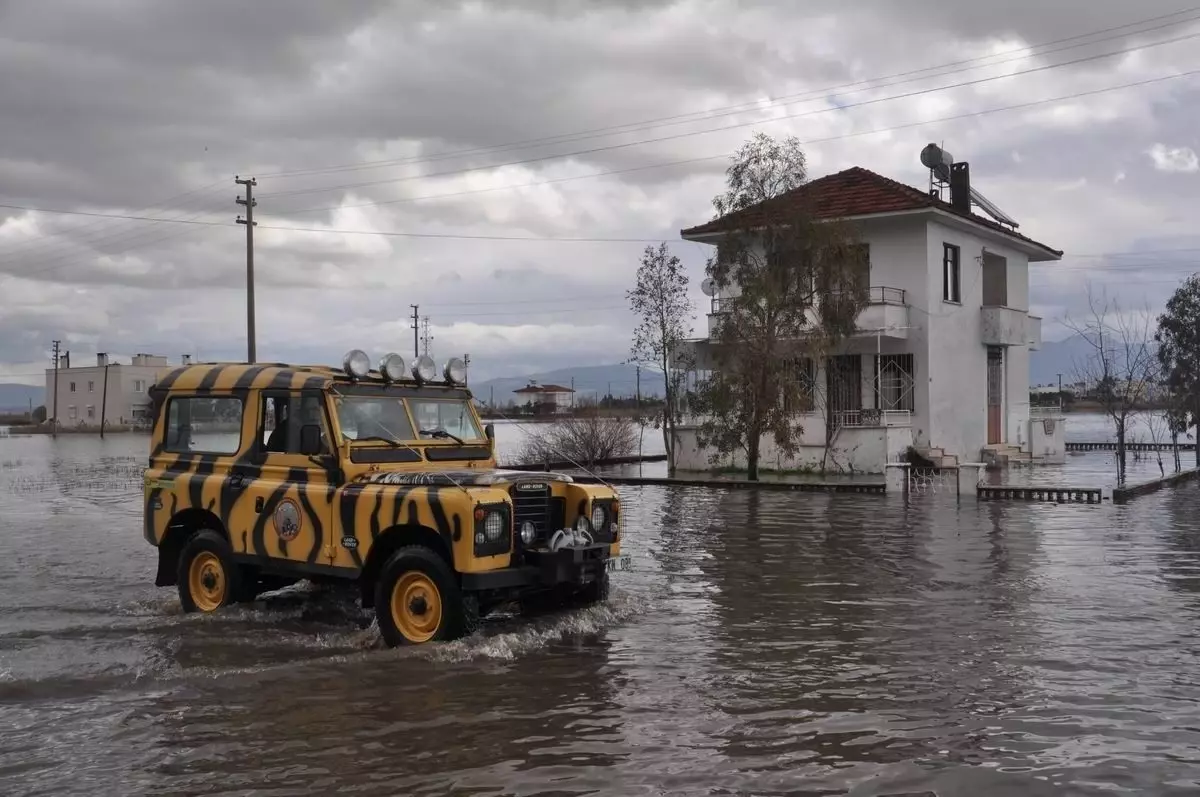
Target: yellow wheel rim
<point x="416" y="607"/>
<point x="207" y="582"/>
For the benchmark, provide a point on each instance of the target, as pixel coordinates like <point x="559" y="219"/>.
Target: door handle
<point x="258" y="504"/>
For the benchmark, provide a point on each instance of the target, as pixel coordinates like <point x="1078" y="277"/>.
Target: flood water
<point x="765" y="644"/>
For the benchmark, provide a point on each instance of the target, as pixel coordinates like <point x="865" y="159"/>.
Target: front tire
<point x="207" y="577"/>
<point x="418" y="600"/>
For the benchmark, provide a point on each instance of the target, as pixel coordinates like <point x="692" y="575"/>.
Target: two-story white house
<point x="940" y="360"/>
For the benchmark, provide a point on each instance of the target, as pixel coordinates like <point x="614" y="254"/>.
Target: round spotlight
<point x="357" y="363"/>
<point x="424" y="368"/>
<point x="528" y="532"/>
<point x="393" y="367"/>
<point x="455" y="371"/>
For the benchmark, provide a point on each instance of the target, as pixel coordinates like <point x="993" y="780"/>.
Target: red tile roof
<point x="855" y="192"/>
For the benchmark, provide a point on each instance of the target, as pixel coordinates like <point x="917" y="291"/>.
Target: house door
<point x="995" y="395"/>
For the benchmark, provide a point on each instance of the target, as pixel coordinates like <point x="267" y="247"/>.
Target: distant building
<point x="82" y="397"/>
<point x="546" y="398"/>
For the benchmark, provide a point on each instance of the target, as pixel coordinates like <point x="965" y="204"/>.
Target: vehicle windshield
<point x="386" y="418"/>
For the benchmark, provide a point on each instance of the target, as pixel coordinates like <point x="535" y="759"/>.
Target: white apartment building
<point x="81" y="393"/>
<point x="940" y="361"/>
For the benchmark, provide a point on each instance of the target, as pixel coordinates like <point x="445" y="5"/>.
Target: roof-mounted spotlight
<point x="357" y="364"/>
<point x="393" y="367"/>
<point x="455" y="371"/>
<point x="424" y="369"/>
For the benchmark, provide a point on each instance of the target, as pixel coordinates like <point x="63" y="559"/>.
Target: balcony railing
<point x="876" y="294"/>
<point x="864" y="418"/>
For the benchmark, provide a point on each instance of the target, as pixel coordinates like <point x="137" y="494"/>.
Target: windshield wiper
<point x="377" y="437"/>
<point x="442" y="434"/>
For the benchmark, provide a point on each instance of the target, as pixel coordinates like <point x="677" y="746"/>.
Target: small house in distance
<point x="940" y="358"/>
<point x="545" y="399"/>
<point x="117" y="393"/>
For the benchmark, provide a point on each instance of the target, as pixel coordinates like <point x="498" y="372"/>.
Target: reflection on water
<point x="766" y="643"/>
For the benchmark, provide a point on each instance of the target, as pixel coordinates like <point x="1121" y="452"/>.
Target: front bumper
<point x="579" y="565"/>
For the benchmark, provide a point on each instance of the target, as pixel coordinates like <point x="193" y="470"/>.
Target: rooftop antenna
<point x="946" y="173"/>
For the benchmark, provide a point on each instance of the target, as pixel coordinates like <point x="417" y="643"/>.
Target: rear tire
<point x="418" y="600"/>
<point x="595" y="592"/>
<point x="207" y="577"/>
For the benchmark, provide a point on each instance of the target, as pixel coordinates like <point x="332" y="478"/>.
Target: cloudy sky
<point x="408" y="140"/>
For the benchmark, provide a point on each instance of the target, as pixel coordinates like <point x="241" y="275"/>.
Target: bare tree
<point x="1121" y="364"/>
<point x="791" y="286"/>
<point x="660" y="301"/>
<point x="585" y="439"/>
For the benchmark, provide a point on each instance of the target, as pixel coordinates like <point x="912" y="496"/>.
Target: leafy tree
<point x="1178" y="339"/>
<point x="39" y="414"/>
<point x="660" y="301"/>
<point x="791" y="287"/>
<point x="1121" y="363"/>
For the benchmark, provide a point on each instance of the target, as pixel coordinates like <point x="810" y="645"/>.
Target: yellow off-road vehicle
<point x="262" y="475"/>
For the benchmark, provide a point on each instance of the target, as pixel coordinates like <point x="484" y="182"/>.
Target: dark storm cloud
<point x="113" y="106"/>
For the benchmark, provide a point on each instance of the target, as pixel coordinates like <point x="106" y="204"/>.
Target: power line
<point x="695" y="116"/>
<point x="688" y="134"/>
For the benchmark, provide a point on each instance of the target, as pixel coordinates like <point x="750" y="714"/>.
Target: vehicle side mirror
<point x="489" y="431"/>
<point x="310" y="439"/>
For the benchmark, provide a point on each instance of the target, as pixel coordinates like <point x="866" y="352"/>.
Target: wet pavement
<point x="765" y="644"/>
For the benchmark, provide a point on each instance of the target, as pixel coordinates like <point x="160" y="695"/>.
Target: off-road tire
<point x="595" y="592"/>
<point x="429" y="578"/>
<point x="208" y="544"/>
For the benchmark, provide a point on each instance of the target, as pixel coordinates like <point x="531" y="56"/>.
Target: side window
<point x="284" y="414"/>
<point x="951" y="274"/>
<point x="197" y="425"/>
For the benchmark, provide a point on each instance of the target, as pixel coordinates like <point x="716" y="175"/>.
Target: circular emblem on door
<point x="286" y="518"/>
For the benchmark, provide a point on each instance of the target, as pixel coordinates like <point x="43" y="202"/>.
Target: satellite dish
<point x="708" y="287"/>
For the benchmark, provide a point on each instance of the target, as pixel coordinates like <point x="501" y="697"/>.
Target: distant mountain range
<point x="16" y="398"/>
<point x="593" y="381"/>
<point x="1059" y="357"/>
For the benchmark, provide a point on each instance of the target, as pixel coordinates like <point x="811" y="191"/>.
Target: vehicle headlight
<point x="528" y="532"/>
<point x="599" y="515"/>
<point x="393" y="367"/>
<point x="424" y="368"/>
<point x="356" y="363"/>
<point x="455" y="371"/>
<point x="581" y="523"/>
<point x="493" y="527"/>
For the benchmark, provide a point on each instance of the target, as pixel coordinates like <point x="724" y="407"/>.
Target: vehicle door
<point x="290" y="490"/>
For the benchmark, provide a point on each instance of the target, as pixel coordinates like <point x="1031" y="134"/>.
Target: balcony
<point x="1004" y="326"/>
<point x="886" y="313"/>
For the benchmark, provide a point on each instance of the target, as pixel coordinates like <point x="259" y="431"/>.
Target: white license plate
<point x="622" y="562"/>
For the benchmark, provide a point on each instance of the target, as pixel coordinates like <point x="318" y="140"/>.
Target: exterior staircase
<point x="1003" y="455"/>
<point x="938" y="456"/>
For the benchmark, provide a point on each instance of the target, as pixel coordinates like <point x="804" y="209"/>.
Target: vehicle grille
<point x="533" y="503"/>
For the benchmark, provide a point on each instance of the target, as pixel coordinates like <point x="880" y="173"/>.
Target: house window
<point x="71" y="412"/>
<point x="91" y="387"/>
<point x="139" y="386"/>
<point x="72" y="387"/>
<point x="894" y="382"/>
<point x="91" y="412"/>
<point x="799" y="398"/>
<point x="951" y="274"/>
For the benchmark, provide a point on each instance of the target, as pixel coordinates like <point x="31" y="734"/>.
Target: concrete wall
<point x="857" y="450"/>
<point x="1047" y="438"/>
<point x="958" y="373"/>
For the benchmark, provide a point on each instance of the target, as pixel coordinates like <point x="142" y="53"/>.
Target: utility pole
<point x="572" y="392"/>
<point x="54" y="423"/>
<point x="104" y="397"/>
<point x="425" y="336"/>
<point x="416" y="323"/>
<point x="249" y="202"/>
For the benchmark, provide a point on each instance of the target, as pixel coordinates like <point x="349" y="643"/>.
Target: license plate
<point x="622" y="562"/>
